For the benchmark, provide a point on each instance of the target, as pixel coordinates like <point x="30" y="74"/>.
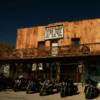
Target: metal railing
<point x="90" y="48"/>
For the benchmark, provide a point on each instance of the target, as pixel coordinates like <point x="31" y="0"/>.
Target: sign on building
<point x="34" y="67"/>
<point x="6" y="70"/>
<point x="54" y="32"/>
<point x="40" y="66"/>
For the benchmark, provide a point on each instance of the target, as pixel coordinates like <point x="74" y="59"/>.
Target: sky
<point x="25" y="13"/>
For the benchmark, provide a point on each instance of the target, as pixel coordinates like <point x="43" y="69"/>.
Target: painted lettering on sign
<point x="54" y="32"/>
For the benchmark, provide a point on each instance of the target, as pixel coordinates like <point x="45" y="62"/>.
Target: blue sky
<point x="25" y="13"/>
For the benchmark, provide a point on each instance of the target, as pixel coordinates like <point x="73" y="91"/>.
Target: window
<point x="75" y="41"/>
<point x="41" y="45"/>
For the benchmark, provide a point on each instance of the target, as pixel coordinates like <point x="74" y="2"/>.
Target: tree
<point x="6" y="49"/>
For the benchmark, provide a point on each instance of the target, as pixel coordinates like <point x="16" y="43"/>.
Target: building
<point x="62" y="32"/>
<point x="69" y="48"/>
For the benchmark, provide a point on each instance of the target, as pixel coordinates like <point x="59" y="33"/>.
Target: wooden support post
<point x="58" y="71"/>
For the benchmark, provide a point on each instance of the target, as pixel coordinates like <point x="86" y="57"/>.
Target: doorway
<point x="54" y="47"/>
<point x="70" y="71"/>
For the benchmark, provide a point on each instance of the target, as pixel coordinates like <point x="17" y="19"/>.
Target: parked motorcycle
<point x="68" y="88"/>
<point x="91" y="90"/>
<point x="32" y="87"/>
<point x="20" y="84"/>
<point x="55" y="86"/>
<point x="5" y="82"/>
<point x="46" y="88"/>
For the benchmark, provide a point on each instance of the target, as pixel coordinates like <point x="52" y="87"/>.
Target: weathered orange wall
<point x="27" y="38"/>
<point x="87" y="30"/>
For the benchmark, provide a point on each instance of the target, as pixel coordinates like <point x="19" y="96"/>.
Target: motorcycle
<point x="91" y="90"/>
<point x="32" y="87"/>
<point x="5" y="82"/>
<point x="68" y="88"/>
<point x="46" y="88"/>
<point x="20" y="84"/>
